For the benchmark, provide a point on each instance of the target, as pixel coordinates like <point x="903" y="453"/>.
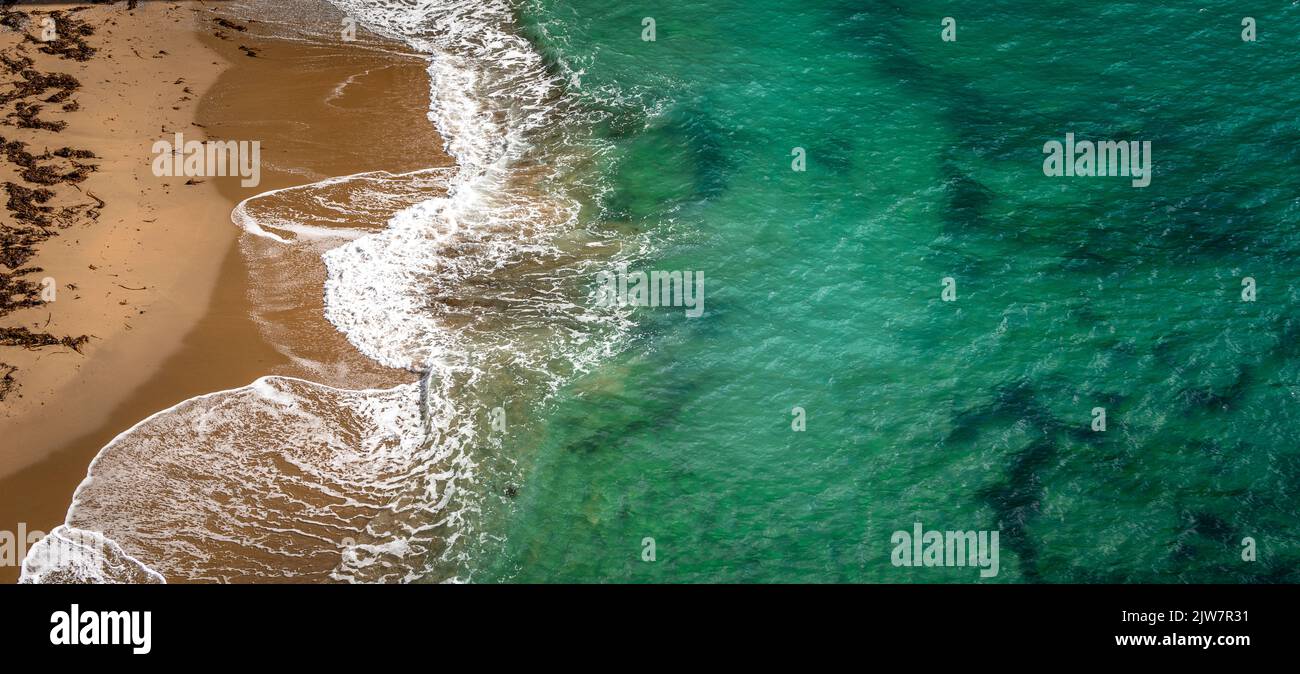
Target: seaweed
<point x="26" y="114"/>
<point x="70" y="38"/>
<point x="34" y="82"/>
<point x="19" y="293"/>
<point x="14" y="20"/>
<point x="44" y="174"/>
<point x="225" y="23"/>
<point x="25" y="204"/>
<point x="34" y="216"/>
<point x="7" y="382"/>
<point x="35" y="340"/>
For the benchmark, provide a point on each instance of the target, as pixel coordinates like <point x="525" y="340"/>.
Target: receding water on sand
<point x="451" y="294"/>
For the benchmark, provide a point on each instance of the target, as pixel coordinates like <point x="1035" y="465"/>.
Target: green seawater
<point x="924" y="160"/>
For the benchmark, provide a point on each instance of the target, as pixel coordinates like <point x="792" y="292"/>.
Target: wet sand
<point x="321" y="108"/>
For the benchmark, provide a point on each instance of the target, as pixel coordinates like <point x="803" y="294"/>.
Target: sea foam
<point x="291" y="479"/>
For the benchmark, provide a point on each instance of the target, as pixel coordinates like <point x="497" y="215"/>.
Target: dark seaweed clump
<point x="34" y="208"/>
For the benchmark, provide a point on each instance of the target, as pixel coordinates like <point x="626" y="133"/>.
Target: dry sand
<point x="117" y="276"/>
<point x="320" y="110"/>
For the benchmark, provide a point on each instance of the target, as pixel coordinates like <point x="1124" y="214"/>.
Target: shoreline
<point x="264" y="89"/>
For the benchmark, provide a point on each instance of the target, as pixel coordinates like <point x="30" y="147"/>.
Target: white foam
<point x="69" y="555"/>
<point x="489" y="90"/>
<point x="290" y="479"/>
<point x="329" y="209"/>
<point x="280" y="479"/>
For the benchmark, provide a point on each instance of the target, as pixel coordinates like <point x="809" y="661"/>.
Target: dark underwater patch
<point x="682" y="159"/>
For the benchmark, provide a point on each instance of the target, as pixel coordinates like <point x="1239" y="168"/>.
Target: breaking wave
<point x="468" y="282"/>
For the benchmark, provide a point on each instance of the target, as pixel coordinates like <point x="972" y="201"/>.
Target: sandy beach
<point x="154" y="277"/>
<point x="116" y="274"/>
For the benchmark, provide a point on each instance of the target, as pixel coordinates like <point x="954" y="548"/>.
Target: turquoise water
<point x="924" y="161"/>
